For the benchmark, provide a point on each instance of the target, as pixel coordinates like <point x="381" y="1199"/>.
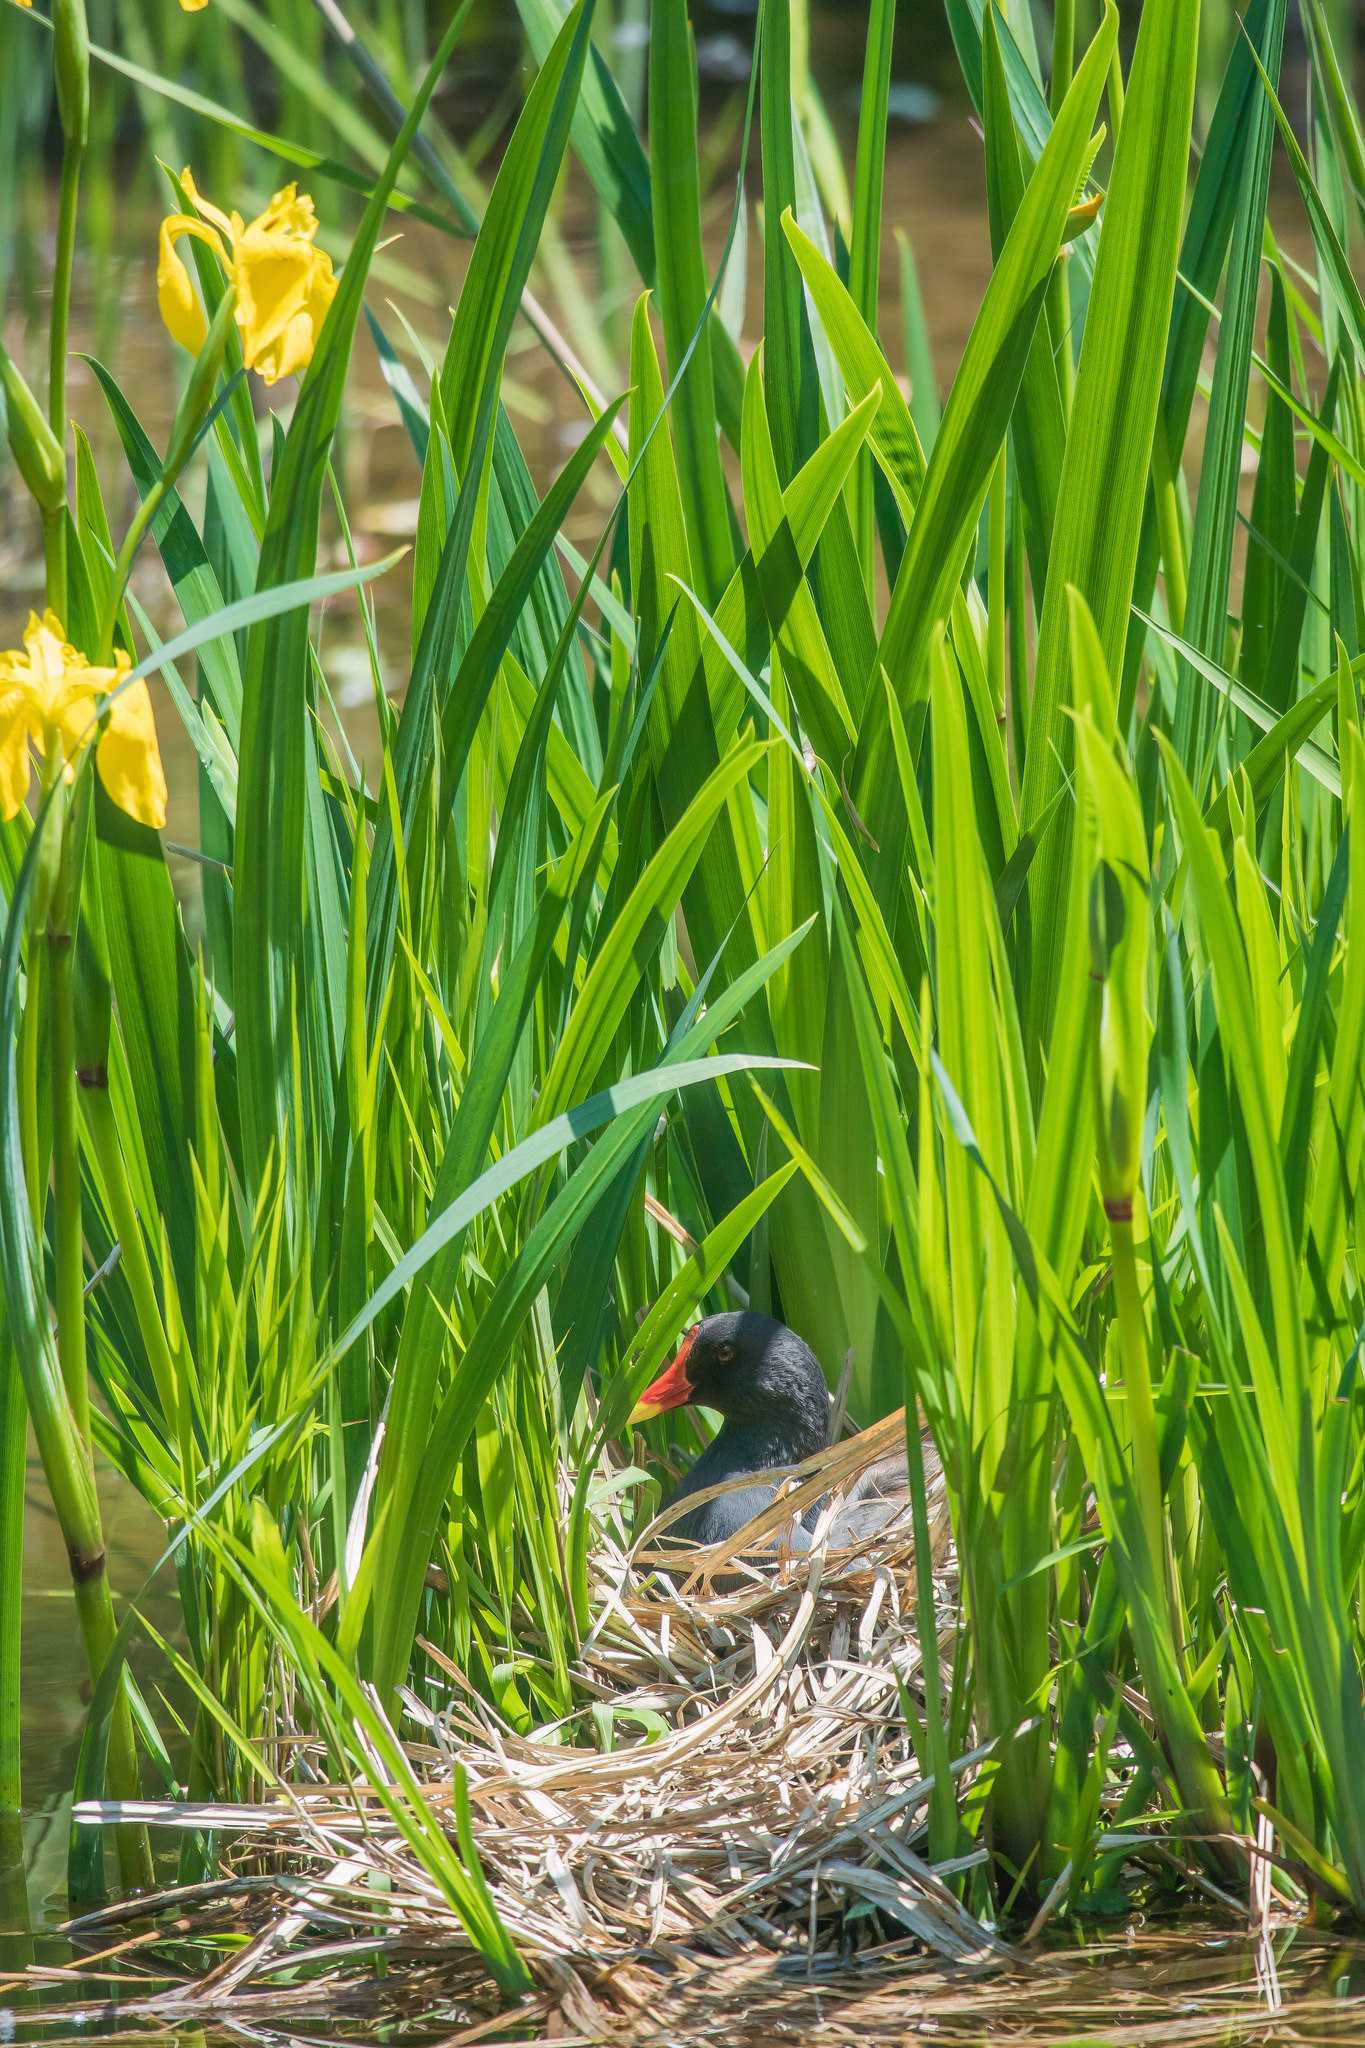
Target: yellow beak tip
<point x="643" y="1411"/>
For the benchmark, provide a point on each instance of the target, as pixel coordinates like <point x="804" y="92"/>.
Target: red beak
<point x="672" y="1389"/>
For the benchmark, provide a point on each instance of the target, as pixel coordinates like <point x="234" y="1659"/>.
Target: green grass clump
<point x="924" y="871"/>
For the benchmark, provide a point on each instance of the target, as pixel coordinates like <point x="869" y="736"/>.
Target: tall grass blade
<point x="1113" y="420"/>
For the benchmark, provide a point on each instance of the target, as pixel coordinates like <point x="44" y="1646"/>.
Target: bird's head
<point x="744" y="1366"/>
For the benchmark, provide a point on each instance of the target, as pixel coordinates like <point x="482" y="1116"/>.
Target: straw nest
<point x="762" y="1805"/>
<point x="744" y="1866"/>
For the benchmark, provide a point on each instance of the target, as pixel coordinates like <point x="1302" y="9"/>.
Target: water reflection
<point x="55" y="1692"/>
<point x="1192" y="1985"/>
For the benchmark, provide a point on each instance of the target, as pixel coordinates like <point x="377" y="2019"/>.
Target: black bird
<point x="769" y="1387"/>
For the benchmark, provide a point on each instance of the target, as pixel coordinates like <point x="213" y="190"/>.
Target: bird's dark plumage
<point x="770" y="1391"/>
<point x="768" y="1387"/>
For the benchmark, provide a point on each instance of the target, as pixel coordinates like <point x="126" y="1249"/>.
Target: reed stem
<point x="69" y="1470"/>
<point x="1063" y="51"/>
<point x="102" y="1127"/>
<point x="1131" y="1323"/>
<point x="123" y="564"/>
<point x="54" y="559"/>
<point x="95" y="1611"/>
<point x="13" y="1454"/>
<point x="69" y="1242"/>
<point x="55" y="521"/>
<point x="1170" y="526"/>
<point x="996" y="602"/>
<point x="73" y="157"/>
<point x="59" y="1399"/>
<point x="1116" y="95"/>
<point x="1059" y="284"/>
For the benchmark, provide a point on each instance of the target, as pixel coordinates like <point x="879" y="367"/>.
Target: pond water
<point x="1195" y="1987"/>
<point x="1134" y="1987"/>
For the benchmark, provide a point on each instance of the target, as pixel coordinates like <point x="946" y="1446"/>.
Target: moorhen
<point x="770" y="1390"/>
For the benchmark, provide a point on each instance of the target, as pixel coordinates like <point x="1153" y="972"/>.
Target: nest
<point x="745" y="1864"/>
<point x="747" y="1868"/>
<point x="780" y="1808"/>
<point x="766" y="1809"/>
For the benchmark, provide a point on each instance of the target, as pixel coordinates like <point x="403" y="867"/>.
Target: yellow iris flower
<point x="283" y="281"/>
<point x="50" y="697"/>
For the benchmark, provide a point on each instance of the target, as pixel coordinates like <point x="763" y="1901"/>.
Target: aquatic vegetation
<point x="907" y="877"/>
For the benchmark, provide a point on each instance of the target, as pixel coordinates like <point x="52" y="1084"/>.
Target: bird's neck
<point x="753" y="1443"/>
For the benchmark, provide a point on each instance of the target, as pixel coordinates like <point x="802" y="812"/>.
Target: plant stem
<point x="995" y="588"/>
<point x="95" y="1610"/>
<point x="1131" y="1322"/>
<point x="137" y="1269"/>
<point x="54" y="559"/>
<point x="69" y="1244"/>
<point x="69" y="1470"/>
<point x="1116" y="95"/>
<point x="16" y="1948"/>
<point x="1059" y="326"/>
<point x="58" y="1391"/>
<point x="30" y="1062"/>
<point x="1170" y="527"/>
<point x="865" y="254"/>
<point x="1158" y="1620"/>
<point x="14" y="1436"/>
<point x="196" y="403"/>
<point x="1063" y="51"/>
<point x="123" y="565"/>
<point x="54" y="522"/>
<point x="13" y="1450"/>
<point x="1059" y="284"/>
<point x="73" y="156"/>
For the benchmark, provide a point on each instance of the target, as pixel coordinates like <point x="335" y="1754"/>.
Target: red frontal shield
<point x="672" y="1389"/>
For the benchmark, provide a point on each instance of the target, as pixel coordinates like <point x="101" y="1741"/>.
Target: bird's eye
<point x="725" y="1354"/>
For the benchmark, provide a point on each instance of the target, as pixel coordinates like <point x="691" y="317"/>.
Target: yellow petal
<point x="289" y="213"/>
<point x="72" y="702"/>
<point x="49" y="657"/>
<point x="286" y="352"/>
<point x="186" y="6"/>
<point x="271" y="275"/>
<point x="126" y="751"/>
<point x="214" y="215"/>
<point x="284" y="288"/>
<point x="175" y="294"/>
<point x="16" y="726"/>
<point x="50" y="692"/>
<point x="129" y="759"/>
<point x="49" y="628"/>
<point x="292" y="350"/>
<point x="74" y="715"/>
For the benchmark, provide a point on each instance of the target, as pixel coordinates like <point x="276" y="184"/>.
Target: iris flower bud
<point x="35" y="448"/>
